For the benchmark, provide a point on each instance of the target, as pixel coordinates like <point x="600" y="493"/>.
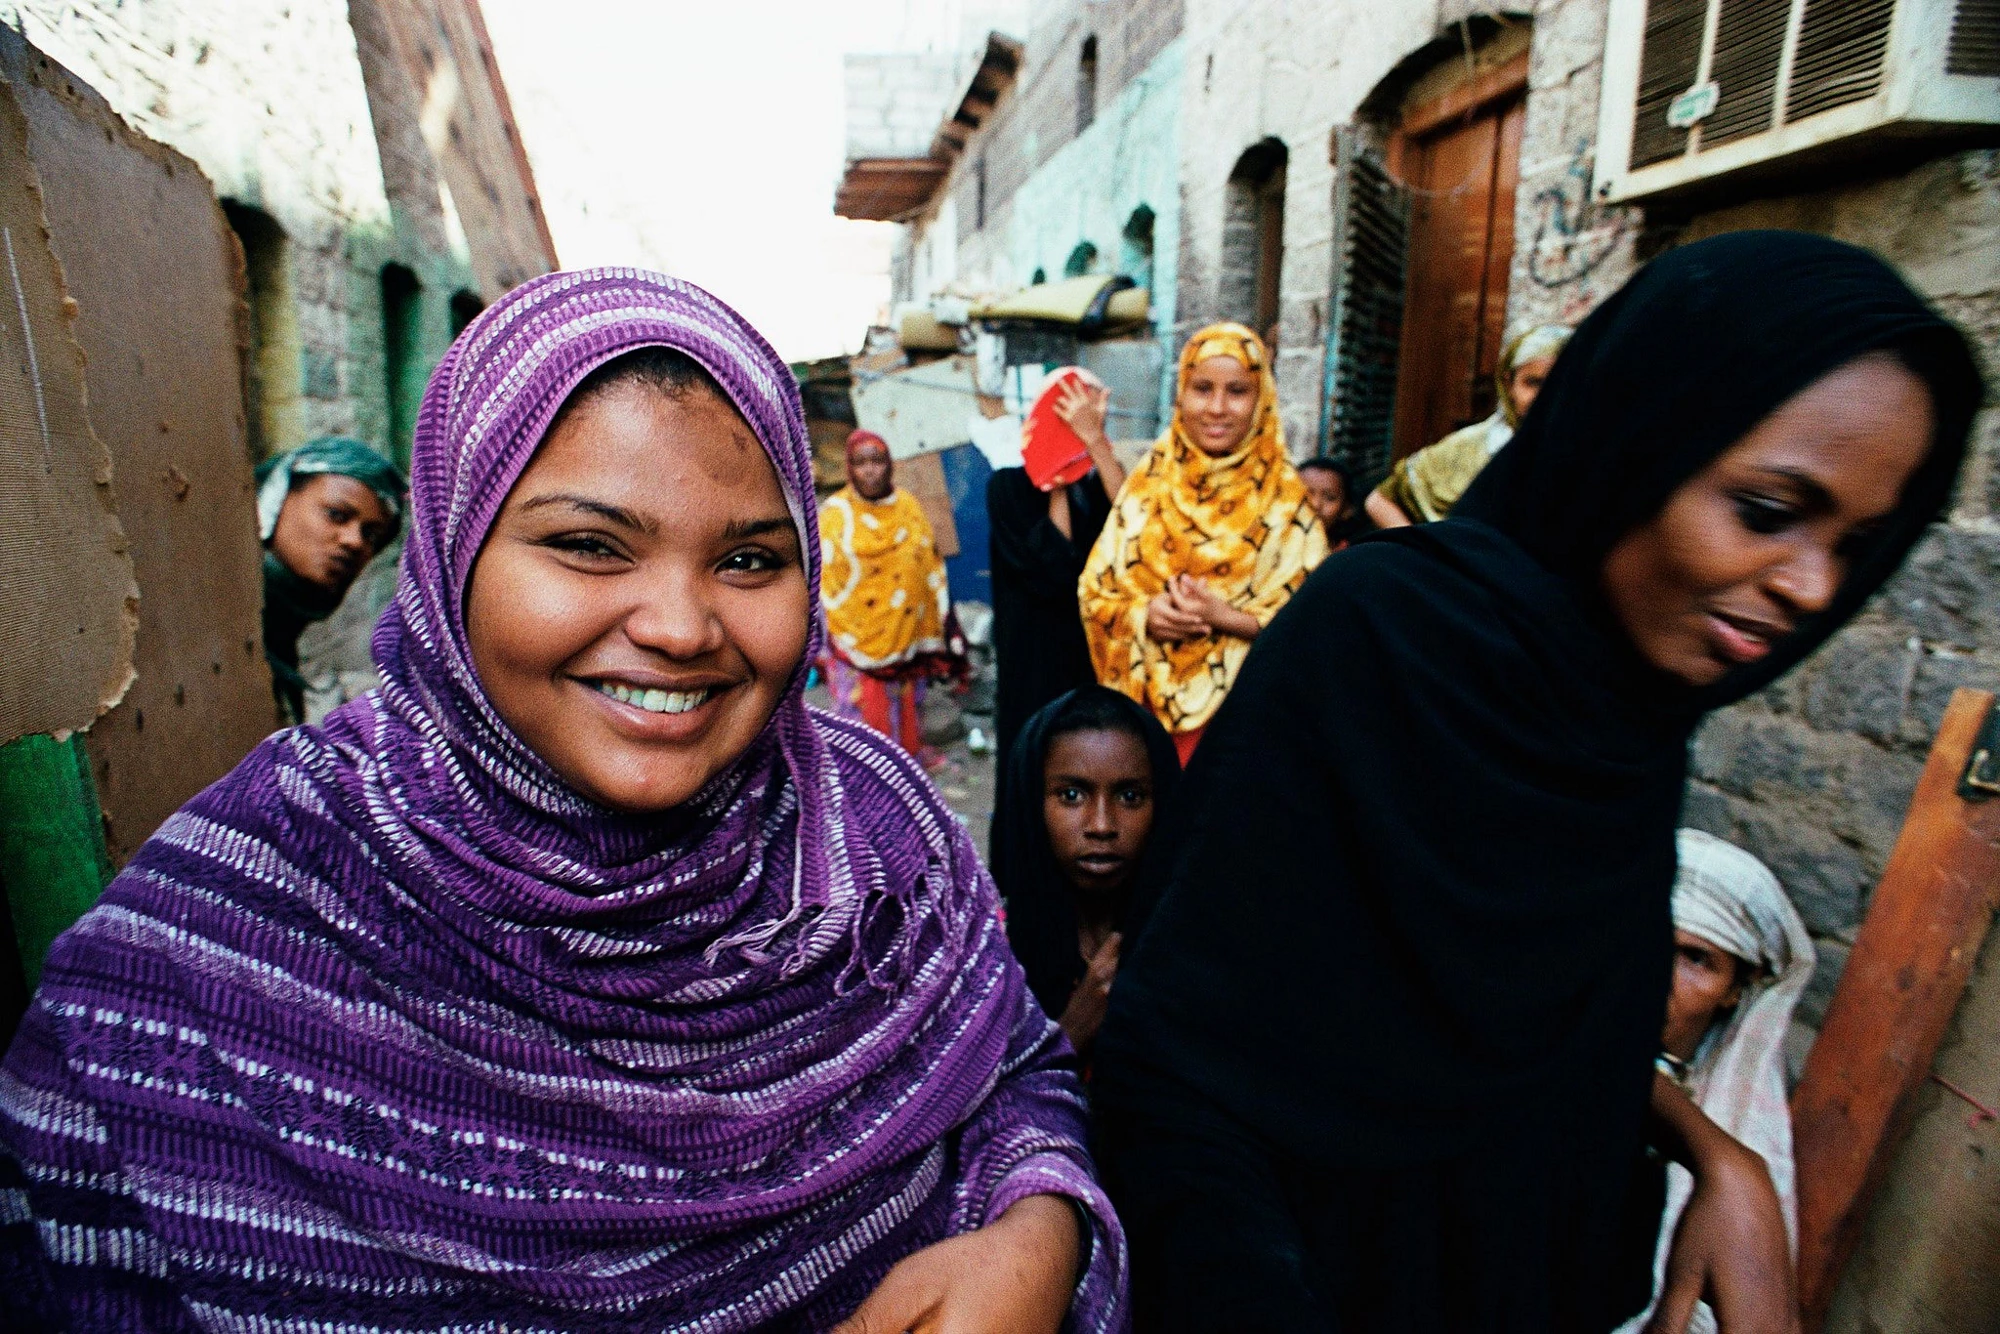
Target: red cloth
<point x="1185" y="742"/>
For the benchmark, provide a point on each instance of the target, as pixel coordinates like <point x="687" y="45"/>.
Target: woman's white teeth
<point x="656" y="701"/>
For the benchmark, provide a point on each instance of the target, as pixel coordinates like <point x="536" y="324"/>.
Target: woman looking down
<point x="581" y="977"/>
<point x="1381" y="1058"/>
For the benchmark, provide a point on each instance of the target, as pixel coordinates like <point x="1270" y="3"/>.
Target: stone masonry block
<point x="1568" y="37"/>
<point x="1941" y="672"/>
<point x="1826" y="879"/>
<point x="1949" y="589"/>
<point x="1861" y="682"/>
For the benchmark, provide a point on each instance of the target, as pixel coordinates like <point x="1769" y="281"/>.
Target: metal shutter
<point x="1841" y="45"/>
<point x="1669" y="58"/>
<point x="1749" y="41"/>
<point x="1371" y="237"/>
<point x="1975" y="38"/>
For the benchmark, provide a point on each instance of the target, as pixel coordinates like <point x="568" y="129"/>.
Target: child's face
<point x="1327" y="494"/>
<point x="1097" y="801"/>
<point x="638" y="608"/>
<point x="1707" y="980"/>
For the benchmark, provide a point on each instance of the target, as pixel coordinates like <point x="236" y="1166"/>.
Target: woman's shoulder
<point x="1416" y="586"/>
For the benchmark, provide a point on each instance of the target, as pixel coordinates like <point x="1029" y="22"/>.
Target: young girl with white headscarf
<point x="1726" y="900"/>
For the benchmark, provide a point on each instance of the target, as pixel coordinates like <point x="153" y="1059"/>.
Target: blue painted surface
<point x="970" y="571"/>
<point x="1089" y="189"/>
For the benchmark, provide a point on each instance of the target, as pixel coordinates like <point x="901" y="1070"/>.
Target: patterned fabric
<point x="1242" y="523"/>
<point x="884" y="586"/>
<point x="1731" y="900"/>
<point x="1426" y="484"/>
<point x="392" y="1030"/>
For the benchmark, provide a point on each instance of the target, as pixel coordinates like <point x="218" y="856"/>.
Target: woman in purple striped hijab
<point x="582" y="977"/>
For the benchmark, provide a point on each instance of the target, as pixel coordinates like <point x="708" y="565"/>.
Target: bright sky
<point x="706" y="139"/>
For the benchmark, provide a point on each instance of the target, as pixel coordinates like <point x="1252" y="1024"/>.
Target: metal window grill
<point x="1371" y="238"/>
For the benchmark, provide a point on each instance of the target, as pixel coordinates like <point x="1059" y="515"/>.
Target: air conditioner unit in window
<point x="1698" y="90"/>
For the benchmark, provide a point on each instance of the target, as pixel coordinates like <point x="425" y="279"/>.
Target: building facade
<point x="368" y="164"/>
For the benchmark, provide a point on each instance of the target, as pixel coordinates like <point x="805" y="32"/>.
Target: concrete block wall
<point x="895" y="101"/>
<point x="1038" y="118"/>
<point x="1276" y="69"/>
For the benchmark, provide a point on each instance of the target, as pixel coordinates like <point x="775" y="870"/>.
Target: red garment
<point x="1185" y="742"/>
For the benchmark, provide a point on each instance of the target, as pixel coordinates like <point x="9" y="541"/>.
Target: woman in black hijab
<point x="1381" y="1059"/>
<point x="1102" y="767"/>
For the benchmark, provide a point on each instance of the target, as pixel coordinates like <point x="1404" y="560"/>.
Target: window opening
<point x="465" y="308"/>
<point x="1086" y="85"/>
<point x="272" y="412"/>
<point x="402" y="355"/>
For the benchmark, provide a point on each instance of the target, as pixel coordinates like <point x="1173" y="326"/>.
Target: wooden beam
<point x="1895" y="1001"/>
<point x="1490" y="85"/>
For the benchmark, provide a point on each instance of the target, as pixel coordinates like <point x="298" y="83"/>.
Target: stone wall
<point x="1815" y="774"/>
<point x="895" y="101"/>
<point x="1569" y="252"/>
<point x="1277" y="69"/>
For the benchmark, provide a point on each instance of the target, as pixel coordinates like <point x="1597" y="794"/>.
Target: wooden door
<point x="1461" y="174"/>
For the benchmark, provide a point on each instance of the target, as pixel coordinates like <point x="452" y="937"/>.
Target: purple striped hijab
<point x="391" y="1029"/>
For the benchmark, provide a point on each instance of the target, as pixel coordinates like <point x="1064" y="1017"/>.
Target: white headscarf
<point x="1730" y="899"/>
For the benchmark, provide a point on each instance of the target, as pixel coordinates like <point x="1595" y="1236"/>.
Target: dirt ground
<point x="965" y="779"/>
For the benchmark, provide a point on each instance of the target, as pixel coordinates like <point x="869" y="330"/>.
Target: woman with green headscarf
<point x="1423" y="487"/>
<point x="324" y="510"/>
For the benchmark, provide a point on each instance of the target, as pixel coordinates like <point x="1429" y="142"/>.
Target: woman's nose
<point x="673" y="617"/>
<point x="1807" y="581"/>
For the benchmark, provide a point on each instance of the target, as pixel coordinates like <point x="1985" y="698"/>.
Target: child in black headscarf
<point x="1393" y="1073"/>
<point x="1085" y="782"/>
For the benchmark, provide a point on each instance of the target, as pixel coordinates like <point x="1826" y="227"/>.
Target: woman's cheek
<point x="770" y="627"/>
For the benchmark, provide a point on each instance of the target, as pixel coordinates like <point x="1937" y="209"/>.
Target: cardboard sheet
<point x="157" y="282"/>
<point x="68" y="603"/>
<point x="923" y="478"/>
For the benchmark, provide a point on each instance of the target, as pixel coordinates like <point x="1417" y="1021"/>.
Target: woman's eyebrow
<point x="610" y="513"/>
<point x="1811" y="490"/>
<point x="738" y="529"/>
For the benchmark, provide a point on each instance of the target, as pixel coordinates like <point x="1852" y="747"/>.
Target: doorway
<point x="1459" y="153"/>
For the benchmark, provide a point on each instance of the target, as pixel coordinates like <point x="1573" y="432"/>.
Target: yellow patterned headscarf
<point x="1240" y="522"/>
<point x="883" y="583"/>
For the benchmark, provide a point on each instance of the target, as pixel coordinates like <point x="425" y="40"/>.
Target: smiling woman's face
<point x="640" y="604"/>
<point x="1763" y="536"/>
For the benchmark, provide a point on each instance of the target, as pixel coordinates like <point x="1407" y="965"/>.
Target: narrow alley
<point x="1003" y="665"/>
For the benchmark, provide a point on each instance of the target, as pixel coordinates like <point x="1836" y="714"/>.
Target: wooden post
<point x="1895" y="1000"/>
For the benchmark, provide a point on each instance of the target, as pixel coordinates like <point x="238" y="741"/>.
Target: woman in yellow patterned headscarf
<point x="1210" y="536"/>
<point x="888" y="608"/>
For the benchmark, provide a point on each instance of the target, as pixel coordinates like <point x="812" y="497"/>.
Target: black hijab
<point x="1041" y="903"/>
<point x="1414" y="909"/>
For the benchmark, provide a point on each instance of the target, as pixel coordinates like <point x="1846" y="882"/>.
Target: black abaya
<point x="1038" y="646"/>
<point x="1381" y="1057"/>
<point x="1042" y="919"/>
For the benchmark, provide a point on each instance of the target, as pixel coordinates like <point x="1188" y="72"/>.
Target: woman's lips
<point x="641" y="723"/>
<point x="1741" y="641"/>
